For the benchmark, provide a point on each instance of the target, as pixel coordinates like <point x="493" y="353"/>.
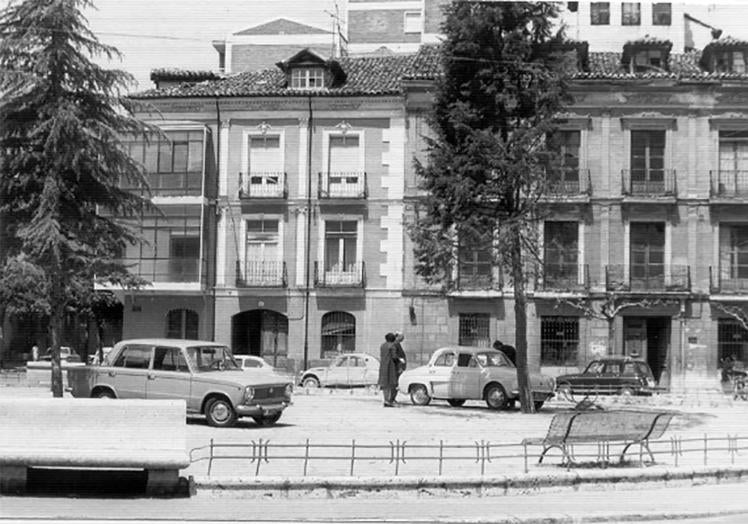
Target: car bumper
<point x="254" y="410"/>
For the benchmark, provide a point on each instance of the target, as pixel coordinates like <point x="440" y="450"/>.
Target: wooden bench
<point x="99" y="434"/>
<point x="628" y="427"/>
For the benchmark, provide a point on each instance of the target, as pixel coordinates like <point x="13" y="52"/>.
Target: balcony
<point x="730" y="185"/>
<point x="568" y="183"/>
<point x="263" y="185"/>
<point x="166" y="269"/>
<point x="351" y="275"/>
<point x="470" y="280"/>
<point x="651" y="278"/>
<point x="168" y="184"/>
<point x="729" y="280"/>
<point x="644" y="185"/>
<point x="563" y="276"/>
<point x="261" y="273"/>
<point x="348" y="185"/>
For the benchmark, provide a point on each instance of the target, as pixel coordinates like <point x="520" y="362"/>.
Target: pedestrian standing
<point x="400" y="353"/>
<point x="34" y="352"/>
<point x="388" y="369"/>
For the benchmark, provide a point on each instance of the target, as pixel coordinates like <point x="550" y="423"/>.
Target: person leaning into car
<point x="400" y="353"/>
<point x="388" y="369"/>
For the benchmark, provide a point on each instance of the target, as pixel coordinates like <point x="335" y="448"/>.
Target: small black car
<point x="609" y="376"/>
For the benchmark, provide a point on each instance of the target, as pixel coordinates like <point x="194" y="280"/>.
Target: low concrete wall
<point x="40" y="373"/>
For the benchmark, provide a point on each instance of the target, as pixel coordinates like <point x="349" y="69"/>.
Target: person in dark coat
<point x="400" y="353"/>
<point x="508" y="350"/>
<point x="388" y="369"/>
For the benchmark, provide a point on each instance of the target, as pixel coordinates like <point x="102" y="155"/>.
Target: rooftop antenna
<point x="339" y="41"/>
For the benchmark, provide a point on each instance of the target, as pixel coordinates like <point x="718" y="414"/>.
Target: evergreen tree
<point x="62" y="118"/>
<point x="502" y="82"/>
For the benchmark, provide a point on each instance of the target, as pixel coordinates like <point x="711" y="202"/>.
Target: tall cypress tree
<point x="62" y="162"/>
<point x="501" y="84"/>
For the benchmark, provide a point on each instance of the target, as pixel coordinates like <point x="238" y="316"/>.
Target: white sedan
<point x="461" y="373"/>
<point x="350" y="369"/>
<point x="255" y="363"/>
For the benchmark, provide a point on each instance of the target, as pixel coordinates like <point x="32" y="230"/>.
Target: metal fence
<point x="355" y="458"/>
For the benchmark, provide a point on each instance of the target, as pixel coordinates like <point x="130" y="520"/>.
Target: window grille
<point x="338" y="334"/>
<point x="559" y="341"/>
<point x="474" y="329"/>
<point x="732" y="340"/>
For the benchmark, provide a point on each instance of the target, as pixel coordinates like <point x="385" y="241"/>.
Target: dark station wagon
<point x="609" y="376"/>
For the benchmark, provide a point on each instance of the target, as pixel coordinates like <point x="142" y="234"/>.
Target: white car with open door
<point x="460" y="373"/>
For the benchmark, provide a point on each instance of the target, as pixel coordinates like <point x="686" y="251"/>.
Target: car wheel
<point x="538" y="404"/>
<point x="220" y="413"/>
<point x="103" y="393"/>
<point x="456" y="402"/>
<point x="310" y="382"/>
<point x="419" y="395"/>
<point x="267" y="420"/>
<point x="495" y="396"/>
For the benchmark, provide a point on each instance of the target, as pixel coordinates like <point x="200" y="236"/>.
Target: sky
<point x="179" y="33"/>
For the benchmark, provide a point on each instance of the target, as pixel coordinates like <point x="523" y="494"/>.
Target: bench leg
<point x="13" y="479"/>
<point x="162" y="482"/>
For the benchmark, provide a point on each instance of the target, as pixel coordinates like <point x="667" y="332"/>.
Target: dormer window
<point x="307" y="78"/>
<point x="646" y="55"/>
<point x="729" y="62"/>
<point x="725" y="56"/>
<point x="646" y="60"/>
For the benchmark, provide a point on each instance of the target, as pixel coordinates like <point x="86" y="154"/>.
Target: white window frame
<point x="247" y="135"/>
<point x="321" y="244"/>
<point x="327" y="133"/>
<point x="243" y="232"/>
<point x="668" y="255"/>
<point x="304" y="75"/>
<point x="409" y="28"/>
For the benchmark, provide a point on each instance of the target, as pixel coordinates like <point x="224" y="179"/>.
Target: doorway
<point x="260" y="332"/>
<point x="648" y="338"/>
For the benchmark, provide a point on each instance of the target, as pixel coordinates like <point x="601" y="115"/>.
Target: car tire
<point x="538" y="404"/>
<point x="310" y="382"/>
<point x="456" y="402"/>
<point x="419" y="395"/>
<point x="103" y="393"/>
<point x="220" y="413"/>
<point x="267" y="420"/>
<point x="495" y="396"/>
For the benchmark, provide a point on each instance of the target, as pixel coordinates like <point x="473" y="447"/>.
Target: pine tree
<point x="62" y="162"/>
<point x="502" y="82"/>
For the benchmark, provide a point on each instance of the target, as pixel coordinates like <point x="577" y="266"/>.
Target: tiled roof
<point x="383" y="75"/>
<point x="176" y="75"/>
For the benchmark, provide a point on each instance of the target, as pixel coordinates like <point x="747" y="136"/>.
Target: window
<point x="173" y="163"/>
<point x="600" y="13"/>
<point x="344" y="168"/>
<point x="464" y="360"/>
<point x="338" y="333"/>
<point x="262" y="258"/>
<point x="559" y="341"/>
<point x="729" y="62"/>
<point x="265" y="169"/>
<point x="474" y="329"/>
<point x="206" y="358"/>
<point x="732" y="340"/>
<point x="137" y="357"/>
<point x="445" y="360"/>
<point x="733" y="254"/>
<point x="340" y="245"/>
<point x="566" y="179"/>
<point x="412" y="22"/>
<point x="648" y="161"/>
<point x="182" y="323"/>
<point x="560" y="253"/>
<point x="308" y="78"/>
<point x="631" y="13"/>
<point x="647" y="255"/>
<point x="733" y="163"/>
<point x="646" y="60"/>
<point x="661" y="13"/>
<point x="475" y="262"/>
<point x="184" y="258"/>
<point x="169" y="359"/>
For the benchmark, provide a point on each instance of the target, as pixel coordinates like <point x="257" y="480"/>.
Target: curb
<point x="521" y="484"/>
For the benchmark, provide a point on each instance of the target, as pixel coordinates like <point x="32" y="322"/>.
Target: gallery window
<point x="559" y="341"/>
<point x="182" y="323"/>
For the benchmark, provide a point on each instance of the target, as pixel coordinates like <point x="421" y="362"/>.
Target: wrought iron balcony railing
<point x="648" y="278"/>
<point x="729" y="279"/>
<point x="263" y="185"/>
<point x="350" y="184"/>
<point x="261" y="273"/>
<point x="166" y="269"/>
<point x="477" y="278"/>
<point x="649" y="182"/>
<point x="349" y="275"/>
<point x="169" y="184"/>
<point x="568" y="182"/>
<point x="563" y="276"/>
<point x="729" y="183"/>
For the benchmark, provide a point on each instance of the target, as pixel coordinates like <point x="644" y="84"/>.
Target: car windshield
<point x="492" y="360"/>
<point x="595" y="367"/>
<point x="211" y="358"/>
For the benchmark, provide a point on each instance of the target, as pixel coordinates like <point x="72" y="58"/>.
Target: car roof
<point x="169" y="342"/>
<point x="469" y="349"/>
<point x="618" y="359"/>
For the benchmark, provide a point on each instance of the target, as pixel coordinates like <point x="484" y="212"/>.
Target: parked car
<point x="460" y="373"/>
<point x="609" y="376"/>
<point x="204" y="374"/>
<point x="255" y="363"/>
<point x="66" y="355"/>
<point x="349" y="369"/>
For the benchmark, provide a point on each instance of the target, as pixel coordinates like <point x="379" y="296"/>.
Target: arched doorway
<point x="260" y="332"/>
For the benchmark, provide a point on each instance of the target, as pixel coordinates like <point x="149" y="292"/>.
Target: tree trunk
<point x="611" y="336"/>
<point x="520" y="320"/>
<point x="55" y="327"/>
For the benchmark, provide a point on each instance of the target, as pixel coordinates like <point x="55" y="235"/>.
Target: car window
<point x="595" y="367"/>
<point x="492" y="360"/>
<point x="358" y="362"/>
<point x="169" y="359"/>
<point x="252" y="363"/>
<point x="445" y="360"/>
<point x="340" y="362"/>
<point x="613" y="368"/>
<point x="206" y="358"/>
<point x="630" y="369"/>
<point x="644" y="370"/>
<point x="137" y="357"/>
<point x="463" y="360"/>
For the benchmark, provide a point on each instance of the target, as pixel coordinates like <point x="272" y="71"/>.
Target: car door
<point x="128" y="374"/>
<point x="590" y="379"/>
<point x="169" y="376"/>
<point x="371" y="370"/>
<point x="465" y="381"/>
<point x="440" y="374"/>
<point x="611" y="380"/>
<point x="356" y="370"/>
<point x="337" y="373"/>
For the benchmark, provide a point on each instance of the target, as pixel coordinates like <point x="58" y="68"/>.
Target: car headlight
<point x="289" y="390"/>
<point x="249" y="393"/>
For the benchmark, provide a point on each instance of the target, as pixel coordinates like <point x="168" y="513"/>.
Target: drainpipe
<point x="216" y="213"/>
<point x="307" y="261"/>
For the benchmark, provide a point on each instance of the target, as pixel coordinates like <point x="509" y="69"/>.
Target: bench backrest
<point x="613" y="425"/>
<point x="95" y="424"/>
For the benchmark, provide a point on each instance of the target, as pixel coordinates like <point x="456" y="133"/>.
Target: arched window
<point x="338" y="333"/>
<point x="182" y="323"/>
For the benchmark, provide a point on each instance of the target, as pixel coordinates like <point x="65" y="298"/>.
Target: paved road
<point x="583" y="506"/>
